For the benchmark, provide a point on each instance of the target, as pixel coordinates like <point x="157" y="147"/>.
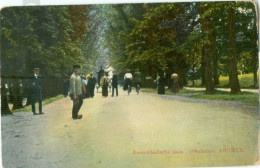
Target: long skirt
<point x="105" y="90"/>
<point x="161" y="89"/>
<point x="175" y="87"/>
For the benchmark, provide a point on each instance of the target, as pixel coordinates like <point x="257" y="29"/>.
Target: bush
<point x="245" y="81"/>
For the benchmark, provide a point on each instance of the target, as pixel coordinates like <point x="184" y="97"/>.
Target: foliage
<point x="44" y="37"/>
<point x="245" y="81"/>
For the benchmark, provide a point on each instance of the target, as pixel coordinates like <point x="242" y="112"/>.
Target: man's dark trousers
<point x="77" y="103"/>
<point x="114" y="87"/>
<point x="36" y="95"/>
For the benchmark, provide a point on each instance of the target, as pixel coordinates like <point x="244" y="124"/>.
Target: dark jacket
<point x="35" y="84"/>
<point x="114" y="80"/>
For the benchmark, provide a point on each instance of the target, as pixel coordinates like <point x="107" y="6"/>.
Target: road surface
<point x="136" y="131"/>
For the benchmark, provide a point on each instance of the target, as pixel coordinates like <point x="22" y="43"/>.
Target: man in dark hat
<point x="76" y="93"/>
<point x="35" y="83"/>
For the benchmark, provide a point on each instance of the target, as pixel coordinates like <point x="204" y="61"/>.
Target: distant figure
<point x="76" y="92"/>
<point x="88" y="86"/>
<point x="100" y="74"/>
<point x="92" y="83"/>
<point x="175" y="83"/>
<point x="36" y="90"/>
<point x="137" y="79"/>
<point x="128" y="80"/>
<point x="114" y="83"/>
<point x="66" y="84"/>
<point x="161" y="84"/>
<point x="104" y="85"/>
<point x="109" y="80"/>
<point x="84" y="86"/>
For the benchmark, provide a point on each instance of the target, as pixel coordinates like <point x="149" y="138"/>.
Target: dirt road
<point x="132" y="132"/>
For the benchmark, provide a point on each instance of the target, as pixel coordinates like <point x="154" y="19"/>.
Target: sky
<point x="5" y="3"/>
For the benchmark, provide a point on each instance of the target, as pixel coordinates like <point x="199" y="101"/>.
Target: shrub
<point x="245" y="81"/>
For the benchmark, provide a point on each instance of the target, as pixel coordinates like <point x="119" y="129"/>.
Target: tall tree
<point x="208" y="45"/>
<point x="254" y="47"/>
<point x="37" y="37"/>
<point x="233" y="78"/>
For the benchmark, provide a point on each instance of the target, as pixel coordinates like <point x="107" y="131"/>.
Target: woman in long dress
<point x="161" y="84"/>
<point x="88" y="86"/>
<point x="104" y="85"/>
<point x="175" y="83"/>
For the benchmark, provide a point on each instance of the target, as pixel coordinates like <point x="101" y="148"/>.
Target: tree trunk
<point x="27" y="92"/>
<point x="4" y="100"/>
<point x="207" y="47"/>
<point x="17" y="96"/>
<point x="233" y="78"/>
<point x="254" y="53"/>
<point x="181" y="68"/>
<point x="203" y="67"/>
<point x="214" y="51"/>
<point x="29" y="72"/>
<point x="255" y="78"/>
<point x="208" y="71"/>
<point x="193" y="76"/>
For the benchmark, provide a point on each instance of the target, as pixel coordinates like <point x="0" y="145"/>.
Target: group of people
<point x="81" y="87"/>
<point x="105" y="83"/>
<point x="88" y="85"/>
<point x="129" y="79"/>
<point x="161" y="80"/>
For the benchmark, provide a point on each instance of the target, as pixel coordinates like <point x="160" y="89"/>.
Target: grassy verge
<point x="245" y="97"/>
<point x="44" y="102"/>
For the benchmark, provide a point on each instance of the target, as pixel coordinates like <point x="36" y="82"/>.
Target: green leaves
<point x="39" y="37"/>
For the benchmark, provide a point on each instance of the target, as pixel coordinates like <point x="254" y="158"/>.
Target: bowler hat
<point x="36" y="69"/>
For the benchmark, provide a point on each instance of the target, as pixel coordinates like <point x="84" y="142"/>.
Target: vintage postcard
<point x="130" y="85"/>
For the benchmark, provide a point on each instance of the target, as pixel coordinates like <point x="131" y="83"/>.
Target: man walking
<point x="114" y="83"/>
<point x="76" y="92"/>
<point x="35" y="83"/>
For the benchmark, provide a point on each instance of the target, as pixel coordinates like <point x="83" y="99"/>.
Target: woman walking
<point x="104" y="84"/>
<point x="161" y="83"/>
<point x="175" y="83"/>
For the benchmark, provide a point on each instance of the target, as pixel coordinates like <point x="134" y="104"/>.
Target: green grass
<point x="44" y="102"/>
<point x="244" y="97"/>
<point x="245" y="81"/>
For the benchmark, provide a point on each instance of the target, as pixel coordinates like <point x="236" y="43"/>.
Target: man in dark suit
<point x="114" y="83"/>
<point x="36" y="90"/>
